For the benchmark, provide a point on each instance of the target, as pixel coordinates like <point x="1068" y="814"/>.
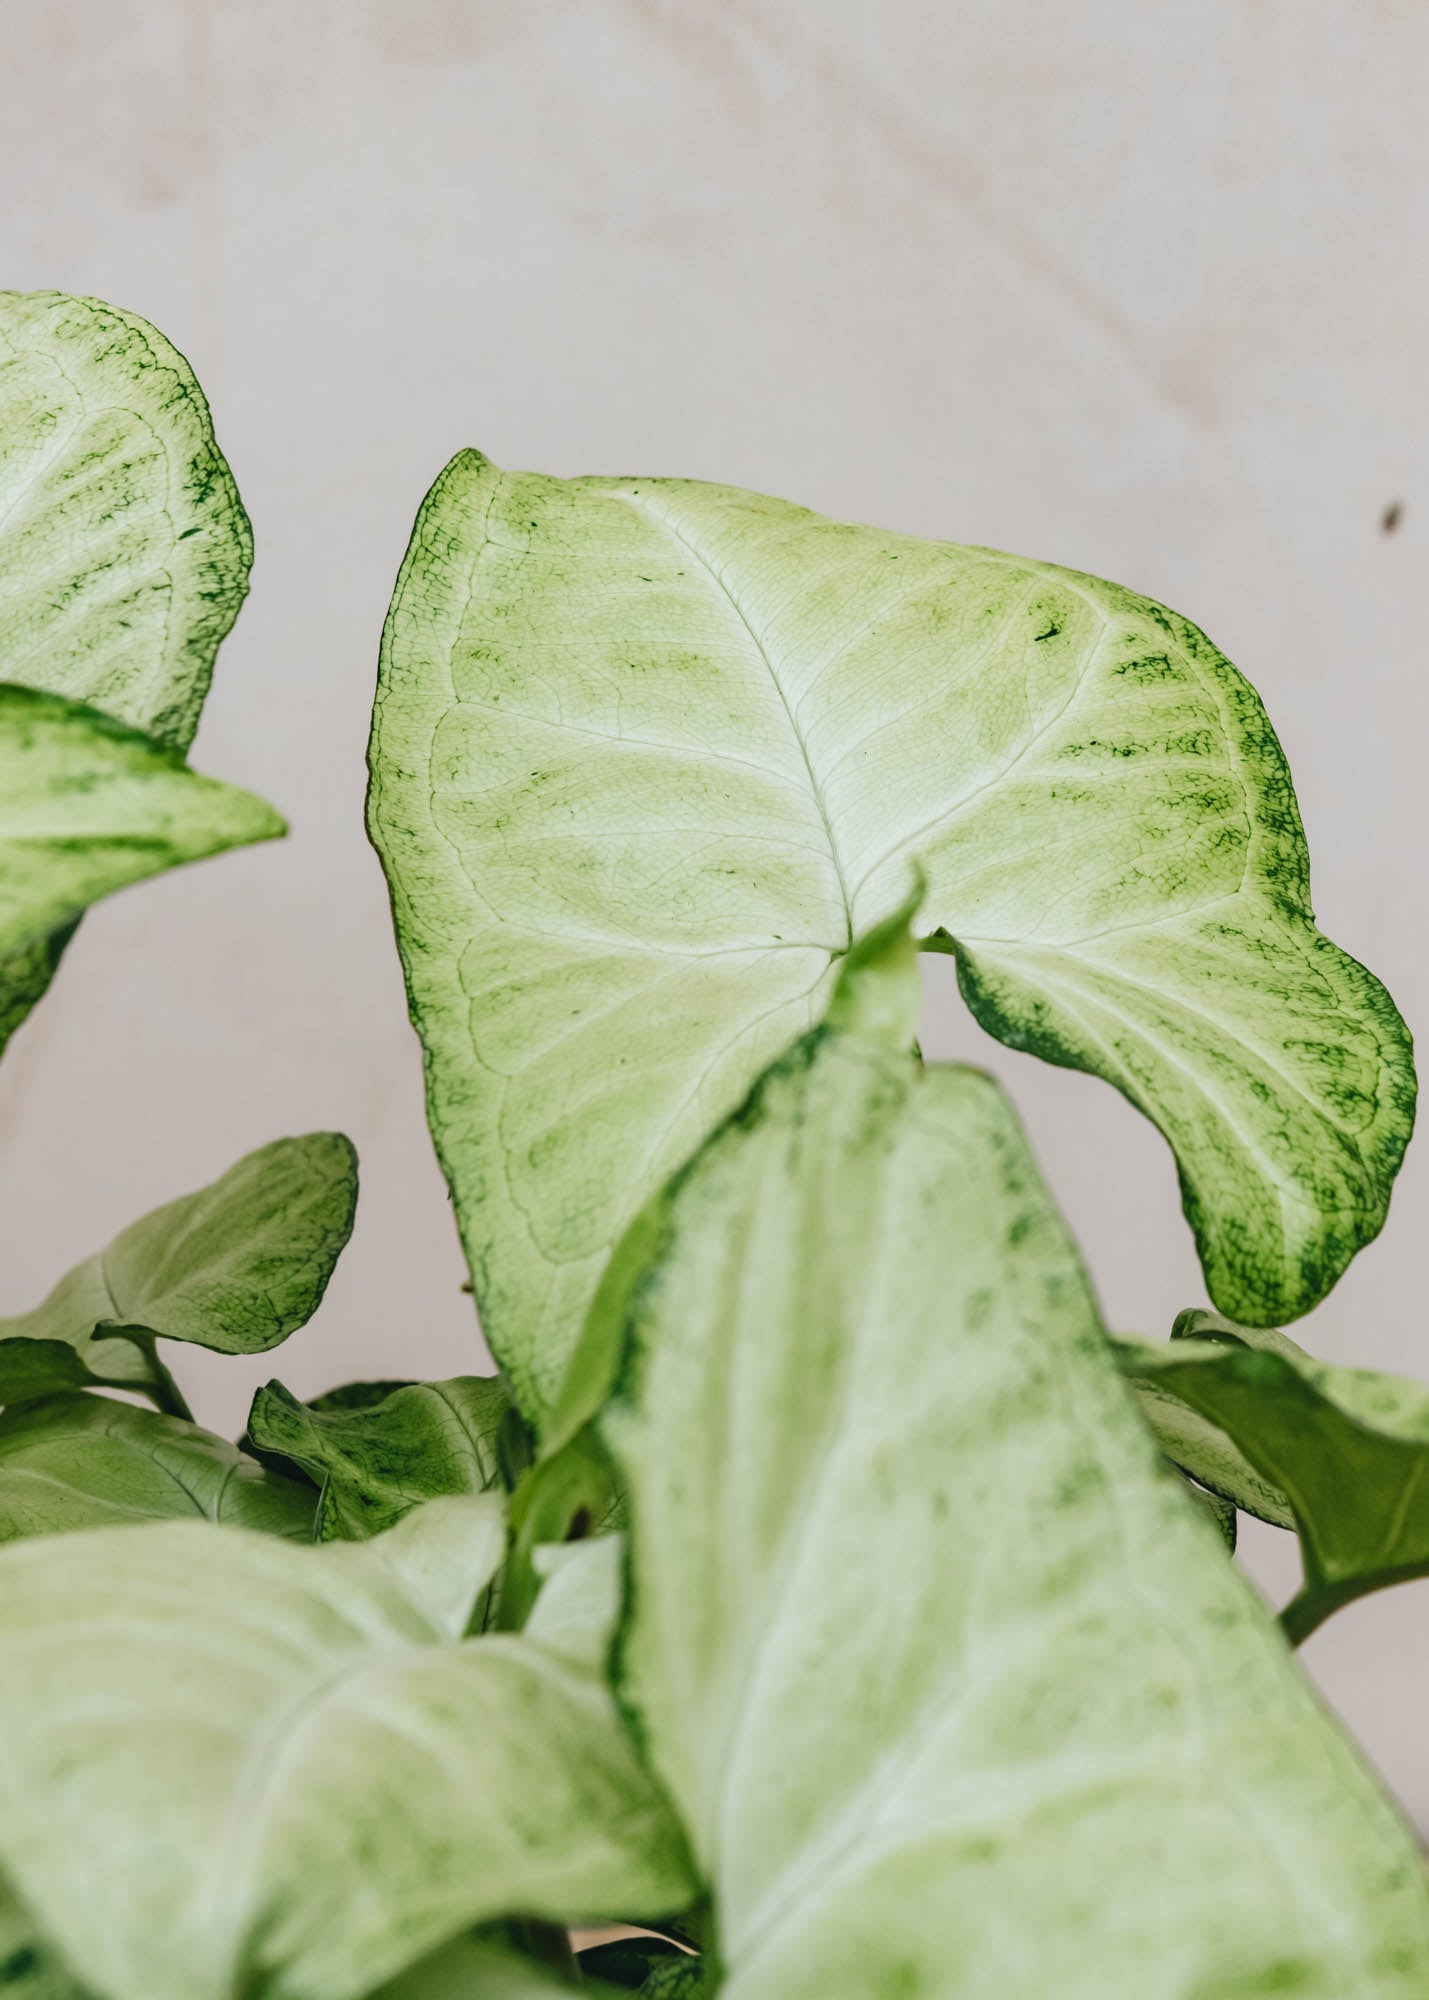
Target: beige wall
<point x="1139" y="287"/>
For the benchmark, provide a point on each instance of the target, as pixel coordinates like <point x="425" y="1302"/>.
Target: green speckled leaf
<point x="647" y="754"/>
<point x="375" y="1463"/>
<point x="87" y="806"/>
<point x="236" y="1267"/>
<point x="124" y="548"/>
<point x="83" y="1461"/>
<point x="289" y="1778"/>
<point x="954" y="1689"/>
<point x="1339" y="1454"/>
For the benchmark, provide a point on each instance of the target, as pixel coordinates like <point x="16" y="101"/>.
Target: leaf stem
<point x="1304" y="1614"/>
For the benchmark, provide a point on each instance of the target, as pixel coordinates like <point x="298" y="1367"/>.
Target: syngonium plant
<point x="819" y="1593"/>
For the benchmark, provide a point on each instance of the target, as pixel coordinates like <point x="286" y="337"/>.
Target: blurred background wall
<point x="1136" y="287"/>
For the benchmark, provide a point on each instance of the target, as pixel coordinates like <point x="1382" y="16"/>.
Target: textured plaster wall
<point x="1138" y="287"/>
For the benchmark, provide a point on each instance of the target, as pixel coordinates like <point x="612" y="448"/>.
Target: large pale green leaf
<point x="83" y="1461"/>
<point x="375" y="1463"/>
<point x="237" y="1267"/>
<point x="124" y="549"/>
<point x="648" y="753"/>
<point x="1339" y="1454"/>
<point x="233" y="1765"/>
<point x="955" y="1690"/>
<point x="89" y="805"/>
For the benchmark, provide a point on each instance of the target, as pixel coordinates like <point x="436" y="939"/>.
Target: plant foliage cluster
<point x="820" y="1591"/>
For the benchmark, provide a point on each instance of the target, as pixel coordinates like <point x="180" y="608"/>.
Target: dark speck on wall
<point x="1390" y="519"/>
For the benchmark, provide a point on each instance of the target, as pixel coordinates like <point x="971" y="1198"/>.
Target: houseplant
<point x="818" y="1587"/>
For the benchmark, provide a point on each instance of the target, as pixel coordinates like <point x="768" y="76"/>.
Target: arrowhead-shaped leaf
<point x="87" y="806"/>
<point x="376" y="1462"/>
<point x="236" y="1267"/>
<point x="954" y="1689"/>
<point x="241" y="1766"/>
<point x="647" y="754"/>
<point x="87" y="1461"/>
<point x="1339" y="1454"/>
<point x="124" y="548"/>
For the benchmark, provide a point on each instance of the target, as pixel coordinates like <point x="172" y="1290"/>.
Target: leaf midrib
<point x="256" y="1795"/>
<point x="643" y="506"/>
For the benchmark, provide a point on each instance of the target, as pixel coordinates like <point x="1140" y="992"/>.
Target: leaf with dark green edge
<point x="124" y="548"/>
<point x="952" y="1686"/>
<point x="82" y="1461"/>
<point x="413" y="1783"/>
<point x="512" y="1439"/>
<point x="236" y="1267"/>
<point x="1339" y="1454"/>
<point x="89" y="805"/>
<point x="25" y="976"/>
<point x="377" y="1461"/>
<point x="647" y="754"/>
<point x="29" y="1967"/>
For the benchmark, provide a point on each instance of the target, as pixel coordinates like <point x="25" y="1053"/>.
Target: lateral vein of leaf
<point x="967" y="664"/>
<point x="1134" y="929"/>
<point x="38" y="475"/>
<point x="1218" y="1031"/>
<point x="947" y="813"/>
<point x="960" y="560"/>
<point x="698" y="753"/>
<point x="257" y="1790"/>
<point x="1177" y="1061"/>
